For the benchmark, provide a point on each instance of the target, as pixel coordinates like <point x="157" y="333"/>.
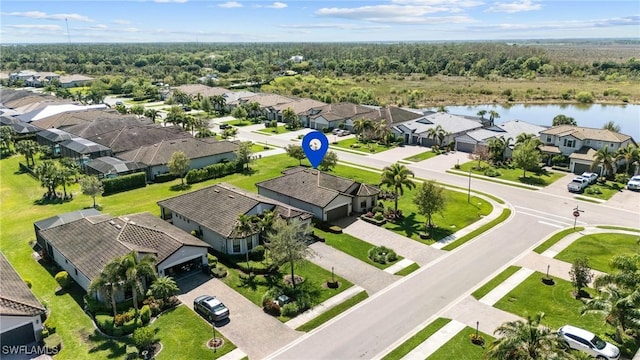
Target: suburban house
<point x="40" y="79"/>
<point x="333" y="115"/>
<point x="213" y="213"/>
<point x="21" y="314"/>
<point x="52" y="139"/>
<point x="417" y="131"/>
<point x="110" y="167"/>
<point x="83" y="243"/>
<point x="580" y="144"/>
<point x="20" y="128"/>
<point x="45" y="110"/>
<point x="507" y="130"/>
<point x="266" y="101"/>
<point x="13" y="99"/>
<point x="71" y="118"/>
<point x="299" y="106"/>
<point x="74" y="80"/>
<point x="200" y="90"/>
<point x="82" y="150"/>
<point x="201" y="152"/>
<point x="328" y="197"/>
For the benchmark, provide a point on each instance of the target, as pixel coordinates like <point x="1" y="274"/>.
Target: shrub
<point x="63" y="279"/>
<point x="593" y="190"/>
<point x="382" y="255"/>
<point x="622" y="178"/>
<point x="162" y="178"/>
<point x="50" y="326"/>
<point x="143" y="338"/>
<point x="377" y="209"/>
<point x="257" y="253"/>
<point x="378" y="216"/>
<point x="126" y="182"/>
<point x="491" y="172"/>
<point x="271" y="307"/>
<point x="219" y="272"/>
<point x="290" y="310"/>
<point x="105" y="323"/>
<point x="212" y="259"/>
<point x="120" y="319"/>
<point x="584" y="97"/>
<point x="213" y="172"/>
<point x="392" y="256"/>
<point x="355" y="146"/>
<point x="28" y="282"/>
<point x="145" y="314"/>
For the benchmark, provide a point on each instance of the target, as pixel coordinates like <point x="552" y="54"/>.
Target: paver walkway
<point x="398" y="266"/>
<point x="358" y="272"/>
<point x="506" y="286"/>
<point x="557" y="268"/>
<point x="320" y="308"/>
<point x="435" y="341"/>
<point x="407" y="248"/>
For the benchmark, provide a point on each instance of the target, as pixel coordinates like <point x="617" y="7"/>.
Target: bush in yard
<point x="126" y="182"/>
<point x="120" y="319"/>
<point x="271" y="307"/>
<point x="212" y="259"/>
<point x="63" y="279"/>
<point x="491" y="172"/>
<point x="143" y="338"/>
<point x="145" y="314"/>
<point x="593" y="190"/>
<point x="213" y="171"/>
<point x="622" y="178"/>
<point x="378" y="216"/>
<point x="382" y="255"/>
<point x="28" y="282"/>
<point x="290" y="310"/>
<point x="105" y="323"/>
<point x="219" y="272"/>
<point x="257" y="253"/>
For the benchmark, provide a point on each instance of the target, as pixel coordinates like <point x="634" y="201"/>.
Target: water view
<point x="595" y="115"/>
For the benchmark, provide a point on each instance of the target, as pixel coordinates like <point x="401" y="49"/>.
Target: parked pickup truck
<point x="578" y="184"/>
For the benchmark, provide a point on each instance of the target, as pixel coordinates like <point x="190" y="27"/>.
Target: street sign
<point x="576" y="213"/>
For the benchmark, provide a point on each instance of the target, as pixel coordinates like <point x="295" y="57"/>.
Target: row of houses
<point x="36" y="79"/>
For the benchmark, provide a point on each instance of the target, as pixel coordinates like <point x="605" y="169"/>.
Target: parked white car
<point x="592" y="177"/>
<point x="588" y="342"/>
<point x="634" y="183"/>
<point x="578" y="184"/>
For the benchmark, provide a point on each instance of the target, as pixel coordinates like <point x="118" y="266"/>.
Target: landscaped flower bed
<point x="371" y="218"/>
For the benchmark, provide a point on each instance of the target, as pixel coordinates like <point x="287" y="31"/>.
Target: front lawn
<point x="238" y="122"/>
<point x="555" y="238"/>
<point x="504" y="215"/>
<point x="493" y="283"/>
<point x="256" y="148"/>
<point x="352" y="246"/>
<point x="461" y="347"/>
<point x="184" y="335"/>
<point x="370" y="147"/>
<point x="600" y="248"/>
<point x="417" y="339"/>
<point x="281" y="129"/>
<point x="422" y="156"/>
<point x="603" y="191"/>
<point x="333" y="312"/>
<point x="543" y="178"/>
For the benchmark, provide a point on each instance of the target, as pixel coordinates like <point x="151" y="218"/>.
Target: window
<point x="569" y="143"/>
<point x="76" y="271"/>
<point x="249" y="243"/>
<point x="363" y="204"/>
<point x="548" y="138"/>
<point x="236" y="245"/>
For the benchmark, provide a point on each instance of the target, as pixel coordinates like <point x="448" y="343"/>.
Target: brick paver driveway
<point x="250" y="329"/>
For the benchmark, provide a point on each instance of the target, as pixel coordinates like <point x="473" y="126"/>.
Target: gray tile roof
<point x="65" y="218"/>
<point x="584" y="133"/>
<point x="344" y="111"/>
<point x="56" y="135"/>
<point x="160" y="153"/>
<point x="91" y="242"/>
<point x="16" y="299"/>
<point x="217" y="207"/>
<point x="71" y="118"/>
<point x="83" y="146"/>
<point x="111" y="165"/>
<point x="314" y="187"/>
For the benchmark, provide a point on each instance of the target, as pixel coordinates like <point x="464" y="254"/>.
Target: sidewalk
<point x="321" y="308"/>
<point x="435" y="341"/>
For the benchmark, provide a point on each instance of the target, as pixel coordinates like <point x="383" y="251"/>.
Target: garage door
<point x="338" y="213"/>
<point x="464" y="147"/>
<point x="18" y="336"/>
<point x="580" y="168"/>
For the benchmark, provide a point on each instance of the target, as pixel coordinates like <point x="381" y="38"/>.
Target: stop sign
<point x="576" y="213"/>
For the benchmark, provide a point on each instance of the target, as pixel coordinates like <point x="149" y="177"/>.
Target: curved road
<point x="365" y="331"/>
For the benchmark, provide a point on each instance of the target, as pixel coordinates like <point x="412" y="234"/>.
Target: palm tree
<point x="360" y="126"/>
<point x="175" y="115"/>
<point x="152" y="114"/>
<point x="437" y="133"/>
<point x="65" y="176"/>
<point x="497" y="146"/>
<point x="163" y="288"/>
<point x="108" y="282"/>
<point x="520" y="340"/>
<point x="290" y="118"/>
<point x="382" y="131"/>
<point x="134" y="271"/>
<point x="244" y="226"/>
<point x="629" y="154"/>
<point x="620" y="307"/>
<point x="627" y="274"/>
<point x="219" y="102"/>
<point x="28" y="148"/>
<point x="611" y="126"/>
<point x="482" y="113"/>
<point x="49" y="175"/>
<point x="605" y="159"/>
<point x="396" y="177"/>
<point x="493" y="115"/>
<point x="6" y="138"/>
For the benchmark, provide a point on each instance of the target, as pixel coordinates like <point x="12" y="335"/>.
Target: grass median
<point x="333" y="312"/>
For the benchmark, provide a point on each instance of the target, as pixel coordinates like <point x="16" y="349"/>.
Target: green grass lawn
<point x="600" y="248"/>
<point x="281" y="129"/>
<point x="606" y="190"/>
<point x="352" y="246"/>
<point x="541" y="179"/>
<point x="333" y="312"/>
<point x="254" y="289"/>
<point x="184" y="335"/>
<point x="256" y="148"/>
<point x="555" y="238"/>
<point x="422" y="156"/>
<point x="408" y="270"/>
<point x="370" y="147"/>
<point x="417" y="339"/>
<point x="491" y="284"/>
<point x="460" y="347"/>
<point x="618" y="228"/>
<point x="238" y="122"/>
<point x="470" y="236"/>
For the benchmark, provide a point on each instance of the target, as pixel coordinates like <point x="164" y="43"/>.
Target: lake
<point x="593" y="115"/>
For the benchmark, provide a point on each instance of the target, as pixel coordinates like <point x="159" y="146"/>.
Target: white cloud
<point x="43" y="15"/>
<point x="514" y="7"/>
<point x="36" y="27"/>
<point x="230" y="4"/>
<point x="401" y="14"/>
<point x="121" y="22"/>
<point x="277" y="5"/>
<point x="98" y="27"/>
<point x="633" y="20"/>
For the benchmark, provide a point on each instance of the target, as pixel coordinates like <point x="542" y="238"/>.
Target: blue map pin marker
<point x="315" y="145"/>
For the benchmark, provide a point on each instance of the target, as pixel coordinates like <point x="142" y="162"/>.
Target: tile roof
<point x="299" y="105"/>
<point x="83" y="146"/>
<point x="17" y="98"/>
<point x="583" y="133"/>
<point x="315" y="187"/>
<point x="16" y="299"/>
<point x="584" y="153"/>
<point x="110" y="165"/>
<point x="91" y="242"/>
<point x="204" y="90"/>
<point x="55" y="109"/>
<point x="449" y="123"/>
<point x="160" y="153"/>
<point x="343" y="111"/>
<point x="217" y="207"/>
<point x="268" y="100"/>
<point x="56" y="135"/>
<point x="66" y="119"/>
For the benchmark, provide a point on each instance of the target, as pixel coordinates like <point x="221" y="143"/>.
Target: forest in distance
<point x="404" y="74"/>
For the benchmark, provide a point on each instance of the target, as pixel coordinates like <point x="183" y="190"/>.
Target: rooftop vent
<point x="216" y="190"/>
<point x="112" y="222"/>
<point x="125" y="218"/>
<point x="118" y="227"/>
<point x="231" y="196"/>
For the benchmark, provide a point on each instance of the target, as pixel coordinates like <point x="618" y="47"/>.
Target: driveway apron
<point x="249" y="328"/>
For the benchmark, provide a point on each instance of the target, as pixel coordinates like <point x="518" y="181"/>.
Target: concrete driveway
<point x="249" y="328"/>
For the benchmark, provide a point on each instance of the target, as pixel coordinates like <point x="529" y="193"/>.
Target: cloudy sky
<point x="26" y="21"/>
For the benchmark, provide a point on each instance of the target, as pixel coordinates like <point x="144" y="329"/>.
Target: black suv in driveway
<point x="224" y="126"/>
<point x="210" y="307"/>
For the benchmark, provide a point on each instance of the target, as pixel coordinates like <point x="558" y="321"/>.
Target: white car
<point x="586" y="341"/>
<point x="592" y="177"/>
<point x="634" y="183"/>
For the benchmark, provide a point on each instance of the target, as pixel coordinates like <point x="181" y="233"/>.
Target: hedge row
<point x="213" y="171"/>
<point x="122" y="183"/>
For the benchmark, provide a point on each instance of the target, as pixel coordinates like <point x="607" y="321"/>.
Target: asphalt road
<point x="365" y="331"/>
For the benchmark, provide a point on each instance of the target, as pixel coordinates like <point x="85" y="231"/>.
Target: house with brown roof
<point x="580" y="144"/>
<point x="201" y="152"/>
<point x="213" y="213"/>
<point x="21" y="314"/>
<point x="201" y="90"/>
<point x="84" y="243"/>
<point x="77" y="117"/>
<point x="332" y="115"/>
<point x="299" y="106"/>
<point x="328" y="197"/>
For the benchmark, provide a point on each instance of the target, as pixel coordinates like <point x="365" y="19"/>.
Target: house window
<point x="548" y="138"/>
<point x="236" y="245"/>
<point x="249" y="244"/>
<point x="588" y="142"/>
<point x="363" y="204"/>
<point x="569" y="143"/>
<point x="76" y="271"/>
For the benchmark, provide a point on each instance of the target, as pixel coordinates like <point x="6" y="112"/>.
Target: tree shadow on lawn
<point x="412" y="229"/>
<point x="180" y="187"/>
<point x="117" y="347"/>
<point x="530" y="180"/>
